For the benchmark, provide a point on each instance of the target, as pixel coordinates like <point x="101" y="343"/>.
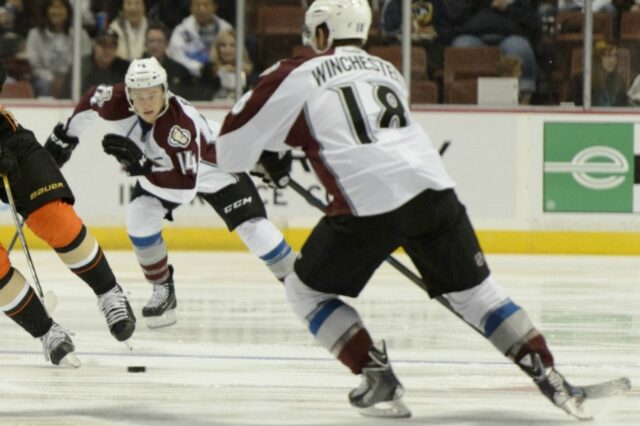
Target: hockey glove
<point x="128" y="154"/>
<point x="9" y="165"/>
<point x="60" y="145"/>
<point x="274" y="168"/>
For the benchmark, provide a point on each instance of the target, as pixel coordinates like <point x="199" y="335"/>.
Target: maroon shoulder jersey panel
<point x="208" y="151"/>
<point x="300" y="135"/>
<point x="266" y="86"/>
<point x="110" y="102"/>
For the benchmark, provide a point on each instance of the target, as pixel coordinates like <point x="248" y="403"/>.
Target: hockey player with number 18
<point x="43" y="198"/>
<point x="164" y="142"/>
<point x="348" y="112"/>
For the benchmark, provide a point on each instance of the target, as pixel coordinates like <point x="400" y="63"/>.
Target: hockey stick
<point x="49" y="299"/>
<point x="15" y="238"/>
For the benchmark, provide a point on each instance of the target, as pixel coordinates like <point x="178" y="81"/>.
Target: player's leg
<point x="20" y="303"/>
<point x="58" y="224"/>
<point x="242" y="209"/>
<point x="453" y="266"/>
<point x="342" y="262"/>
<point x="145" y="219"/>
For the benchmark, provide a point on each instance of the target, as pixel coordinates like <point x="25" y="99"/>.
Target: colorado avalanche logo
<point x="102" y="94"/>
<point x="179" y="137"/>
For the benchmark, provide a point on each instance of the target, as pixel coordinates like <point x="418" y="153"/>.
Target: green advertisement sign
<point x="588" y="167"/>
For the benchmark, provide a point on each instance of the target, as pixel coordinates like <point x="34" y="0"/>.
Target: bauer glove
<point x="60" y="145"/>
<point x="9" y="165"/>
<point x="128" y="154"/>
<point x="274" y="168"/>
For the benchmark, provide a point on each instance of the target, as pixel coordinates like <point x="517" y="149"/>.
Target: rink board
<point x="521" y="175"/>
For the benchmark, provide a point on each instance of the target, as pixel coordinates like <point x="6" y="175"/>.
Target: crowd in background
<point x="195" y="41"/>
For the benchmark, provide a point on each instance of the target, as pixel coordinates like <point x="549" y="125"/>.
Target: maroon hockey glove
<point x="60" y="145"/>
<point x="274" y="168"/>
<point x="128" y="154"/>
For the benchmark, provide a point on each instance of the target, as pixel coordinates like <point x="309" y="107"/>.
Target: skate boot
<point x="555" y="387"/>
<point x="58" y="347"/>
<point x="380" y="393"/>
<point x="118" y="312"/>
<point x="160" y="310"/>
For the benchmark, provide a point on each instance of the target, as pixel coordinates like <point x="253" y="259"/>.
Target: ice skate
<point x="556" y="388"/>
<point x="58" y="347"/>
<point x="118" y="312"/>
<point x="160" y="310"/>
<point x="380" y="393"/>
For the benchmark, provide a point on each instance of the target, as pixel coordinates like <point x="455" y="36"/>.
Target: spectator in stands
<point x="169" y="12"/>
<point x="179" y="78"/>
<point x="101" y="67"/>
<point x="605" y="6"/>
<point x="513" y="25"/>
<point x="10" y="42"/>
<point x="110" y="7"/>
<point x="191" y="41"/>
<point x="50" y="47"/>
<point x="23" y="15"/>
<point x="608" y="85"/>
<point x="596" y="5"/>
<point x="511" y="66"/>
<point x="131" y="27"/>
<point x="422" y="27"/>
<point x="219" y="74"/>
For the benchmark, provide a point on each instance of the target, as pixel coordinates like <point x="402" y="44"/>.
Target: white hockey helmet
<point x="145" y="73"/>
<point x="345" y="19"/>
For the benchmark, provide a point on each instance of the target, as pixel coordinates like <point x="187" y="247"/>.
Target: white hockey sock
<point x="266" y="241"/>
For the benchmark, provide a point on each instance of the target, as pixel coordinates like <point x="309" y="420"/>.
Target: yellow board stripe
<point x="525" y="242"/>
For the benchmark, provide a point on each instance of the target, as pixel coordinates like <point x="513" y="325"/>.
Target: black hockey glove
<point x="274" y="168"/>
<point x="128" y="154"/>
<point x="60" y="145"/>
<point x="9" y="165"/>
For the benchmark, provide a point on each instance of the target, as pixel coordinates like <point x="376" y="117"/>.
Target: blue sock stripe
<point x="323" y="313"/>
<point x="498" y="316"/>
<point x="277" y="253"/>
<point x="146" y="241"/>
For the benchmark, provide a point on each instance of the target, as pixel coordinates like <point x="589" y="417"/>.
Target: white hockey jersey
<point x="178" y="142"/>
<point x="348" y="111"/>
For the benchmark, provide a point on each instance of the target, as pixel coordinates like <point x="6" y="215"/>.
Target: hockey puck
<point x="136" y="369"/>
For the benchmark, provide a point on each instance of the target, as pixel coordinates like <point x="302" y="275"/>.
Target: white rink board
<point x="495" y="157"/>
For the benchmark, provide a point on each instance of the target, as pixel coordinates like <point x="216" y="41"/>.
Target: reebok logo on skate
<point x="237" y="204"/>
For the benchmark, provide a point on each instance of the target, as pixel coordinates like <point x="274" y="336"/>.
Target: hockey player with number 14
<point x="348" y="111"/>
<point x="164" y="142"/>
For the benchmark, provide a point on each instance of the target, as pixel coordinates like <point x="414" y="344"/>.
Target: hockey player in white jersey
<point x="348" y="112"/>
<point x="164" y="142"/>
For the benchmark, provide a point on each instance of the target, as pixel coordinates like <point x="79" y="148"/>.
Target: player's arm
<point x="262" y="118"/>
<point x="103" y="101"/>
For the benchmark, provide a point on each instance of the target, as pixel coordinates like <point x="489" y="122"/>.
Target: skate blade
<point x="164" y="320"/>
<point x="70" y="360"/>
<point x="387" y="409"/>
